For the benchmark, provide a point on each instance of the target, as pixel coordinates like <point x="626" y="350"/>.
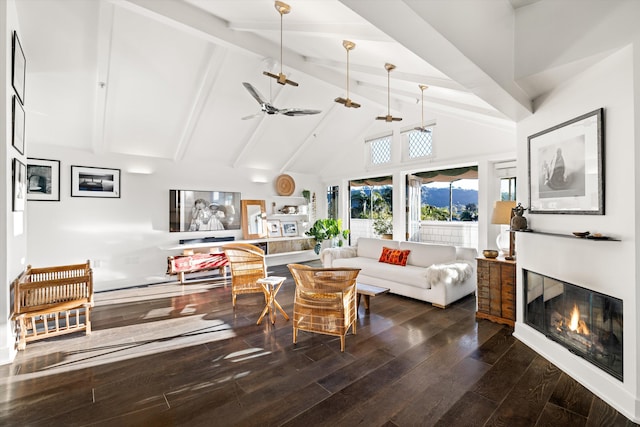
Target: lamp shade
<point x="502" y="212"/>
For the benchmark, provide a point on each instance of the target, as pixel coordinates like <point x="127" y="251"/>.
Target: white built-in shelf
<point x="570" y="236"/>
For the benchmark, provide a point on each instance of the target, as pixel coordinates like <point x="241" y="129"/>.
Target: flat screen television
<point x="191" y="210"/>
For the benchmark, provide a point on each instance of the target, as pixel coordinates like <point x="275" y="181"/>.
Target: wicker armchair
<point x="247" y="264"/>
<point x="324" y="300"/>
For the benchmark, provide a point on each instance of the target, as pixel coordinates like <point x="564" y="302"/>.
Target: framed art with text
<point x="87" y="181"/>
<point x="43" y="180"/>
<point x="566" y="167"/>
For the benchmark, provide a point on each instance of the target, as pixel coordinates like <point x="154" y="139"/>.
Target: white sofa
<point x="438" y="274"/>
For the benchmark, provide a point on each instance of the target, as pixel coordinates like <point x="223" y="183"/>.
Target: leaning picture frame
<point x="289" y="228"/>
<point x="17" y="125"/>
<point x="19" y="67"/>
<point x="43" y="179"/>
<point x="89" y="181"/>
<point x="566" y="167"/>
<point x="273" y="228"/>
<point x="19" y="184"/>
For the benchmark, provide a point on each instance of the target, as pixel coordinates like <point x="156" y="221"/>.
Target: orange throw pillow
<point x="394" y="256"/>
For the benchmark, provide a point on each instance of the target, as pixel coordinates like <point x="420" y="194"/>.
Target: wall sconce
<point x="502" y="214"/>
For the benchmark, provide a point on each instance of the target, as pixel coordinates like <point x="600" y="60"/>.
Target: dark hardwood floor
<point x="168" y="355"/>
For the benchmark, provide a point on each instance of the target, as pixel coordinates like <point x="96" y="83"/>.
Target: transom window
<point x="380" y="150"/>
<point x="420" y="143"/>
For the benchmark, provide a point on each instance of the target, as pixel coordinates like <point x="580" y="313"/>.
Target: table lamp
<point x="502" y="214"/>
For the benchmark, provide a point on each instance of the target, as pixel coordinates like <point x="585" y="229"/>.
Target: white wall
<point x="606" y="267"/>
<point x="14" y="233"/>
<point x="125" y="237"/>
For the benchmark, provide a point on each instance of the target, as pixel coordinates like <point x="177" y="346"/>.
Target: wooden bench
<point x="193" y="263"/>
<point x="52" y="301"/>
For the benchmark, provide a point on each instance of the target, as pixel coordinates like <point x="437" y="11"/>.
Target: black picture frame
<point x="90" y="181"/>
<point x="19" y="67"/>
<point x="43" y="180"/>
<point x="19" y="185"/>
<point x="566" y="167"/>
<point x="17" y="125"/>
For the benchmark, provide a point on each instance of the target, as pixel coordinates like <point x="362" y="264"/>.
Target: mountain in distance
<point x="439" y="197"/>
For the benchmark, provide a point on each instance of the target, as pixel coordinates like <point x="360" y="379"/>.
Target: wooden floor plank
<point x="174" y="355"/>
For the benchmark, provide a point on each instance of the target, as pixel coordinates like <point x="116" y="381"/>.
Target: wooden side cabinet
<point x="496" y="290"/>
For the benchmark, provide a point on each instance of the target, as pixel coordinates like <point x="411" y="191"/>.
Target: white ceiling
<point x="163" y="78"/>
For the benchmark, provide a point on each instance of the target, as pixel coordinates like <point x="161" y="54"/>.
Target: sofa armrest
<point x="329" y="254"/>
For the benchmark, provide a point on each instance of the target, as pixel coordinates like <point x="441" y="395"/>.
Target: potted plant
<point x="327" y="229"/>
<point x="383" y="227"/>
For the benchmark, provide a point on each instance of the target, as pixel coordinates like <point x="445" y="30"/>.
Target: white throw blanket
<point x="455" y="272"/>
<point x="335" y="253"/>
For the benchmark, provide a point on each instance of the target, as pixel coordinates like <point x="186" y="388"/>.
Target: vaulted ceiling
<point x="163" y="78"/>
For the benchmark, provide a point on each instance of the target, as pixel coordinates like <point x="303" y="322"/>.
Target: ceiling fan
<point x="266" y="107"/>
<point x="348" y="45"/>
<point x="389" y="117"/>
<point x="282" y="9"/>
<point x="422" y="128"/>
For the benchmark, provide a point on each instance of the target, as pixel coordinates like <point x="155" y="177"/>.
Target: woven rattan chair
<point x="324" y="300"/>
<point x="247" y="264"/>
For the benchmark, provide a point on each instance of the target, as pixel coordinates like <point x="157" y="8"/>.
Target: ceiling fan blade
<point x="421" y="129"/>
<point x="298" y="112"/>
<point x="253" y="116"/>
<point x="254" y="92"/>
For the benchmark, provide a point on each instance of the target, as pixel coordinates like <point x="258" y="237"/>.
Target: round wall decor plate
<point x="285" y="185"/>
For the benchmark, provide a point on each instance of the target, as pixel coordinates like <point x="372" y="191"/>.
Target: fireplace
<point x="587" y="323"/>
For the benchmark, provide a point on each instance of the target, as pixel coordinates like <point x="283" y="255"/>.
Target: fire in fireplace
<point x="586" y="322"/>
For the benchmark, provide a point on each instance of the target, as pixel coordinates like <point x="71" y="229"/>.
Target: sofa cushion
<point x="409" y="275"/>
<point x="426" y="254"/>
<point x="372" y="248"/>
<point x="394" y="256"/>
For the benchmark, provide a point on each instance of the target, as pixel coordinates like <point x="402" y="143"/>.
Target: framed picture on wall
<point x="289" y="228"/>
<point x="566" y="169"/>
<point x="19" y="67"/>
<point x="87" y="181"/>
<point x="43" y="180"/>
<point x="19" y="181"/>
<point x="273" y="228"/>
<point x="17" y="127"/>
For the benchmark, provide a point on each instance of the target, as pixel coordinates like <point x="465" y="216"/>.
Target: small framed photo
<point x="87" y="181"/>
<point x="19" y="67"/>
<point x="17" y="128"/>
<point x="273" y="228"/>
<point x="19" y="181"/>
<point x="566" y="168"/>
<point x="43" y="180"/>
<point x="289" y="228"/>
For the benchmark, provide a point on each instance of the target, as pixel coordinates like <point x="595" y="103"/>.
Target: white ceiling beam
<point x="257" y="131"/>
<point x="379" y="72"/>
<point x="103" y="58"/>
<point x="213" y="63"/>
<point x="326" y="30"/>
<point x="403" y="26"/>
<point x="311" y="138"/>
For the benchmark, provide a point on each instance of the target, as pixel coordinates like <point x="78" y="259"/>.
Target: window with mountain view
<point x="449" y="195"/>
